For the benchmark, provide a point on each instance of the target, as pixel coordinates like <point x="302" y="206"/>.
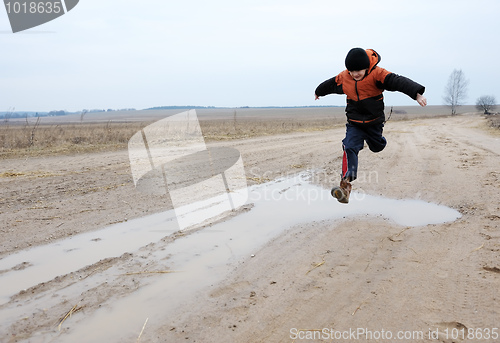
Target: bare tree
<point x="7" y="116"/>
<point x="84" y="112"/>
<point x="486" y="103"/>
<point x="234" y="120"/>
<point x="456" y="90"/>
<point x="31" y="138"/>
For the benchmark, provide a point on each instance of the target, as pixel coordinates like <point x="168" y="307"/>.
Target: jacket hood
<point x="374" y="59"/>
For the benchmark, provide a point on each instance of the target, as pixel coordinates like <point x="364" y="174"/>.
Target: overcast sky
<point x="145" y="53"/>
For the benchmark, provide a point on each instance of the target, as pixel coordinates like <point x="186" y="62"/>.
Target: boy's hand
<point x="422" y="101"/>
<point x="316" y="97"/>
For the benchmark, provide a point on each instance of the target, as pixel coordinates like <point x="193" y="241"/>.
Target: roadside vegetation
<point x="494" y="121"/>
<point x="33" y="137"/>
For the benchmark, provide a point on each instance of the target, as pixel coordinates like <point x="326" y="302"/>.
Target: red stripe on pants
<point x="344" y="164"/>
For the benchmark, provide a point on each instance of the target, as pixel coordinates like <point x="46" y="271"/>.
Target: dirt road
<point x="340" y="275"/>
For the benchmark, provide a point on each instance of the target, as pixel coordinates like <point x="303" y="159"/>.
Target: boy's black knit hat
<point x="357" y="59"/>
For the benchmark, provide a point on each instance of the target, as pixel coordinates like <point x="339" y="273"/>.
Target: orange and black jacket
<point x="365" y="102"/>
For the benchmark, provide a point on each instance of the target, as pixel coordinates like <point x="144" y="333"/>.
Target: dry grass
<point x="49" y="137"/>
<point x="494" y="121"/>
<point x="58" y="139"/>
<point x="221" y="129"/>
<point x="45" y="139"/>
<point x="143" y="327"/>
<point x="68" y="314"/>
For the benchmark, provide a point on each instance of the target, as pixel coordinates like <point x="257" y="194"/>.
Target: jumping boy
<point x="363" y="82"/>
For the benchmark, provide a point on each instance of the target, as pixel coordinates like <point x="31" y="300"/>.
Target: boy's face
<point x="358" y="75"/>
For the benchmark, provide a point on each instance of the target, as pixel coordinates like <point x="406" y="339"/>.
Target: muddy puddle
<point x="200" y="259"/>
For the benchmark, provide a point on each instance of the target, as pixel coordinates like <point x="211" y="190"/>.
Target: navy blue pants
<point x="355" y="136"/>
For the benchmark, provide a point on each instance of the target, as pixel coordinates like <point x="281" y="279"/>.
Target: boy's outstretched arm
<point x="422" y="101"/>
<point x="395" y="82"/>
<point x="329" y="86"/>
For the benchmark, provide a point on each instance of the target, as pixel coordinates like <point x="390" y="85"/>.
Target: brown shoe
<point x="342" y="193"/>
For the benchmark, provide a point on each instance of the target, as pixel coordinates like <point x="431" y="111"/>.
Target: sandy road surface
<point x="50" y="198"/>
<point x="370" y="273"/>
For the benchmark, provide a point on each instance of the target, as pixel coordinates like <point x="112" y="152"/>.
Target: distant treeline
<point x="216" y="107"/>
<point x="180" y="107"/>
<point x="6" y="115"/>
<point x="9" y="115"/>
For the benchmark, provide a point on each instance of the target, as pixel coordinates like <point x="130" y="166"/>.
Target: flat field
<point x="68" y="178"/>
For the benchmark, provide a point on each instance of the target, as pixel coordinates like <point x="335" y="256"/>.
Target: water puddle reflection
<point x="202" y="256"/>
